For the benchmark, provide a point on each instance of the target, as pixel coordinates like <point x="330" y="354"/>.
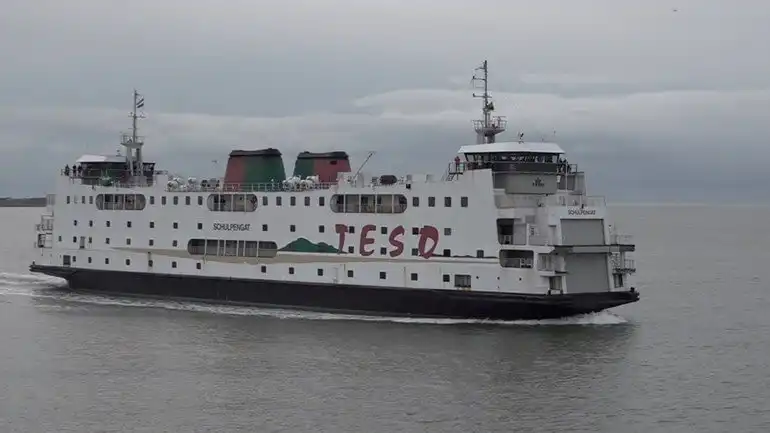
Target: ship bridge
<point x="521" y="167"/>
<point x="105" y="170"/>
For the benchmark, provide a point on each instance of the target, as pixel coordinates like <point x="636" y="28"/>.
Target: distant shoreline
<point x="22" y="202"/>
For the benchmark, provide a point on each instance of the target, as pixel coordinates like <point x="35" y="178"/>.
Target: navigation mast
<point x="134" y="142"/>
<point x="489" y="126"/>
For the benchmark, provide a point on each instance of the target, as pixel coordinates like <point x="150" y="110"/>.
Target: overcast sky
<point x="657" y="100"/>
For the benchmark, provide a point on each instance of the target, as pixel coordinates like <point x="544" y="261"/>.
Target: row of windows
<point x="232" y="248"/>
<point x="292" y="227"/>
<point x="347" y="203"/>
<point x="382" y="203"/>
<point x="264" y="249"/>
<point x="461" y="280"/>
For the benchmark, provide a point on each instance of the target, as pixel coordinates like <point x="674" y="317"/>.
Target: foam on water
<point x="40" y="286"/>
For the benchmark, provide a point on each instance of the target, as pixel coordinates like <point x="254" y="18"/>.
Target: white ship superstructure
<point x="506" y="232"/>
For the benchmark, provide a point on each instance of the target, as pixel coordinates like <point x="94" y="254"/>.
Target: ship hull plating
<point x="344" y="299"/>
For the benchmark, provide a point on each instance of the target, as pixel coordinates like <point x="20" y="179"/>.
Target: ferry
<point x="507" y="232"/>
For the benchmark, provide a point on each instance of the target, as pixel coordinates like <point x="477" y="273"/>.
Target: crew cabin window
<point x="120" y="202"/>
<point x="369" y="203"/>
<point x="232" y="248"/>
<point x="232" y="202"/>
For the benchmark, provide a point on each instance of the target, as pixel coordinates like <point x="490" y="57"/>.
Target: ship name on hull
<point x="581" y="212"/>
<point x="232" y="227"/>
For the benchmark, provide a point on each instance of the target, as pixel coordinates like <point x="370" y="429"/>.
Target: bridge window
<point x="368" y="203"/>
<point x="120" y="201"/>
<point x="232" y="248"/>
<point x="517" y="258"/>
<point x="232" y="202"/>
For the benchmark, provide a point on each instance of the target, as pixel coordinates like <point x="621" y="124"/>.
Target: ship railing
<point x="537" y="240"/>
<point x="510" y="240"/>
<point x="250" y="187"/>
<point x="511" y="262"/>
<point x="624" y="264"/>
<point x="573" y="201"/>
<point x="621" y="239"/>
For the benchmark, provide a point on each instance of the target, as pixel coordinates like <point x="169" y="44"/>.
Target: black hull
<point x="345" y="299"/>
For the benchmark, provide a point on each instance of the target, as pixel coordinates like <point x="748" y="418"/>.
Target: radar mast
<point x="134" y="142"/>
<point x="489" y="126"/>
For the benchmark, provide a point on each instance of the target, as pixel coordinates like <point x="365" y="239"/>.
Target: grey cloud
<point x="655" y="104"/>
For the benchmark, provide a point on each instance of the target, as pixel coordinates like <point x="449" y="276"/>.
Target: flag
<point x="140" y="102"/>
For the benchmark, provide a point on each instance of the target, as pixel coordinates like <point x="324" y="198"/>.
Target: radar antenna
<point x="134" y="142"/>
<point x="489" y="126"/>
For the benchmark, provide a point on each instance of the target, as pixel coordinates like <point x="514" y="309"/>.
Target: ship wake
<point x="40" y="286"/>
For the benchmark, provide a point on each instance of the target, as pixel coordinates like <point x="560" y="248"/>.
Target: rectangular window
<point x="416" y="201"/>
<point x="463" y="281"/>
<point x="414" y="276"/>
<point x="320" y="272"/>
<point x="383" y="275"/>
<point x="350" y="273"/>
<point x="463" y="201"/>
<point x="292" y="201"/>
<point x="431" y="201"/>
<point x="176" y="200"/>
<point x="187" y="200"/>
<point x="447" y="201"/>
<point x="307" y="201"/>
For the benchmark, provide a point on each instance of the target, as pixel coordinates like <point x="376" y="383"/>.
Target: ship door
<point x="554" y="284"/>
<point x="82" y="242"/>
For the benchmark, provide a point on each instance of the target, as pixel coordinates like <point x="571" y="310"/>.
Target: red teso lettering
<point x="427" y="233"/>
<point x="395" y="241"/>
<point x="341" y="229"/>
<point x="366" y="240"/>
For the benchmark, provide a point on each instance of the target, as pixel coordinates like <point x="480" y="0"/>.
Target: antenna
<point x="132" y="141"/>
<point x="489" y="126"/>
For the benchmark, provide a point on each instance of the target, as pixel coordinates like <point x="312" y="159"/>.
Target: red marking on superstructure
<point x="427" y="233"/>
<point x="395" y="240"/>
<point x="366" y="240"/>
<point x="426" y="243"/>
